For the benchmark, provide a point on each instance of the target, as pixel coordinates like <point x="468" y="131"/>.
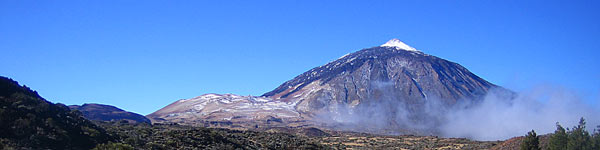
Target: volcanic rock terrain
<point x="385" y="89"/>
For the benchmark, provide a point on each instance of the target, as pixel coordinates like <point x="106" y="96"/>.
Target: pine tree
<point x="531" y="142"/>
<point x="596" y="138"/>
<point x="579" y="138"/>
<point x="558" y="141"/>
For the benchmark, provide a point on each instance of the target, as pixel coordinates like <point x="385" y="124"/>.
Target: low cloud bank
<point x="498" y="116"/>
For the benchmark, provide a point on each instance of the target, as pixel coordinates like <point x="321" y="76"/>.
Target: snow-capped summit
<point x="398" y="45"/>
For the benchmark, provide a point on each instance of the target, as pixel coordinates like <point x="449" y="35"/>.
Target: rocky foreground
<point x="173" y="136"/>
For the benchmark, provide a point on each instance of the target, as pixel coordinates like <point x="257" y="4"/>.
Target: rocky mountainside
<point x="108" y="113"/>
<point x="28" y="121"/>
<point x="382" y="89"/>
<point x="392" y="86"/>
<point x="393" y="71"/>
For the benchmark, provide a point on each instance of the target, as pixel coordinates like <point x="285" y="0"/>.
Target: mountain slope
<point x="30" y="122"/>
<point x="107" y="113"/>
<point x="228" y="110"/>
<point x="393" y="85"/>
<point x="383" y="89"/>
<point x="378" y="72"/>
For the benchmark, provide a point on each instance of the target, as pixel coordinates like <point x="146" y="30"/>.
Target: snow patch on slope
<point x="227" y="107"/>
<point x="398" y="45"/>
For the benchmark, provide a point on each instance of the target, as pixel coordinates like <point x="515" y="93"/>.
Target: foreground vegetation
<point x="172" y="136"/>
<point x="576" y="138"/>
<point x="403" y="142"/>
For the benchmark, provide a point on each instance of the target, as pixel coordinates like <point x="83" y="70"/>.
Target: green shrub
<point x="113" y="146"/>
<point x="531" y="141"/>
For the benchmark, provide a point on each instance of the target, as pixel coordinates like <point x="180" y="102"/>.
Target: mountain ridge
<point x="102" y="112"/>
<point x="28" y="121"/>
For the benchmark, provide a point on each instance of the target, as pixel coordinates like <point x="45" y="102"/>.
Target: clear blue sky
<point x="143" y="55"/>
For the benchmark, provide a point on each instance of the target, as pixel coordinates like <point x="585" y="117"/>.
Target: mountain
<point x="382" y="89"/>
<point x="391" y="71"/>
<point x="392" y="85"/>
<point x="229" y="110"/>
<point x="28" y="121"/>
<point x="108" y="113"/>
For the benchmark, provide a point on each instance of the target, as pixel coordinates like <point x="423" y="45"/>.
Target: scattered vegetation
<point x="576" y="138"/>
<point x="403" y="142"/>
<point x="173" y="136"/>
<point x="113" y="146"/>
<point x="27" y="121"/>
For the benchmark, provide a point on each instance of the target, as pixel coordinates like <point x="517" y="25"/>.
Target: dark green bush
<point x="113" y="146"/>
<point x="531" y="141"/>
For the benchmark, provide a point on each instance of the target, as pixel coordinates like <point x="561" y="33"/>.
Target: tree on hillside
<point x="596" y="138"/>
<point x="579" y="138"/>
<point x="531" y="142"/>
<point x="558" y="141"/>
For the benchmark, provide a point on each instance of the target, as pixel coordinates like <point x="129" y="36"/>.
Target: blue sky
<point x="143" y="55"/>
